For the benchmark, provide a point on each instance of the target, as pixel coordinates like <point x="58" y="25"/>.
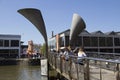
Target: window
<point x="117" y="50"/>
<point x="109" y="41"/>
<point x="66" y="40"/>
<point x="86" y="41"/>
<point x="102" y="41"/>
<point x="61" y="41"/>
<point x="14" y="51"/>
<point x="1" y="43"/>
<point x="6" y="43"/>
<point x="4" y="51"/>
<point x="94" y="41"/>
<point x="78" y="41"/>
<point x="14" y="43"/>
<point x="52" y="44"/>
<point x="117" y="41"/>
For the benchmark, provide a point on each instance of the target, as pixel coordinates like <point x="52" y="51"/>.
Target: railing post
<point x="70" y="65"/>
<point x="100" y="71"/>
<point x="61" y="64"/>
<point x="118" y="72"/>
<point x="55" y="55"/>
<point x="51" y="59"/>
<point x="86" y="70"/>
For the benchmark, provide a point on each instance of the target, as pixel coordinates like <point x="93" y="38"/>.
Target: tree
<point x="43" y="49"/>
<point x="37" y="47"/>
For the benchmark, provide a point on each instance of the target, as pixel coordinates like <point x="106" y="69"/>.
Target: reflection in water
<point x="8" y="73"/>
<point x="29" y="73"/>
<point x="20" y="72"/>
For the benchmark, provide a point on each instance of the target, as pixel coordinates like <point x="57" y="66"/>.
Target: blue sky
<point x="101" y="15"/>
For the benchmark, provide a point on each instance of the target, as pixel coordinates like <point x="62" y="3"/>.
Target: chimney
<point x="52" y="33"/>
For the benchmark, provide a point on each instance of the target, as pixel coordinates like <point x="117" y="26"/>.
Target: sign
<point x="44" y="67"/>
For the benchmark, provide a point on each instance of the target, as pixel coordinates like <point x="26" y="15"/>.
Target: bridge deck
<point x="91" y="70"/>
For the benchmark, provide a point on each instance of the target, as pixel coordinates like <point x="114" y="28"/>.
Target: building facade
<point x="10" y="46"/>
<point x="93" y="42"/>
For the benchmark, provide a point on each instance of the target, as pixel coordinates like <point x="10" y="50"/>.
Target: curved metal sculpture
<point x="35" y="17"/>
<point x="76" y="27"/>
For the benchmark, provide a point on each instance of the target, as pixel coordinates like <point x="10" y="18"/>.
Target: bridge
<point x="93" y="68"/>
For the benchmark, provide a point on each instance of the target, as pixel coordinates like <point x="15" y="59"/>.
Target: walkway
<point x="93" y="69"/>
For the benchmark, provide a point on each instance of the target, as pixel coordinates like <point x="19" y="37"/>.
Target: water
<point x="22" y="71"/>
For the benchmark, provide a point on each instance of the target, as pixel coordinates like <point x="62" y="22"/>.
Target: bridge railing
<point x="104" y="55"/>
<point x="93" y="68"/>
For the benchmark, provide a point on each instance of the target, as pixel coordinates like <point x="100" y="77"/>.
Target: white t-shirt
<point x="81" y="54"/>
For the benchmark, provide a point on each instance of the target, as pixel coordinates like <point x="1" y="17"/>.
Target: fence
<point x="93" y="68"/>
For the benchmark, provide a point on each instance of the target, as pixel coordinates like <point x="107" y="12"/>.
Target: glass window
<point x="94" y="41"/>
<point x="117" y="41"/>
<point x="5" y="51"/>
<point x="109" y="41"/>
<point x="66" y="40"/>
<point x="14" y="43"/>
<point x="1" y="43"/>
<point x="14" y="51"/>
<point x="52" y="44"/>
<point x="102" y="41"/>
<point x="78" y="41"/>
<point x="86" y="41"/>
<point x="106" y="50"/>
<point x="61" y="41"/>
<point x="117" y="50"/>
<point x="6" y="43"/>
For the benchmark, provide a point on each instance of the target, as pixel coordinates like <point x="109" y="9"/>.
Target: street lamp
<point x="35" y="17"/>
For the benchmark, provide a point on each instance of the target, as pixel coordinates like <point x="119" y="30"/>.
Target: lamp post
<point x="35" y="17"/>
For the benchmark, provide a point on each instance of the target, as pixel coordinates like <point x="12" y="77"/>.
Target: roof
<point x="97" y="33"/>
<point x="85" y="32"/>
<point x="10" y="35"/>
<point x="110" y="33"/>
<point x="65" y="31"/>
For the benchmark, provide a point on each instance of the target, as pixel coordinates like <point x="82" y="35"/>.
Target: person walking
<point x="81" y="54"/>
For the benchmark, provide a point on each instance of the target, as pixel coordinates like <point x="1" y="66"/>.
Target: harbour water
<point x="21" y="71"/>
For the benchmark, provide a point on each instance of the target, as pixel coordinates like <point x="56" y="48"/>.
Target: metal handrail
<point x="91" y="58"/>
<point x="65" y="67"/>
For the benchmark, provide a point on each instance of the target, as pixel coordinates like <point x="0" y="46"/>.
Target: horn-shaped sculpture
<point x="35" y="17"/>
<point x="76" y="27"/>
